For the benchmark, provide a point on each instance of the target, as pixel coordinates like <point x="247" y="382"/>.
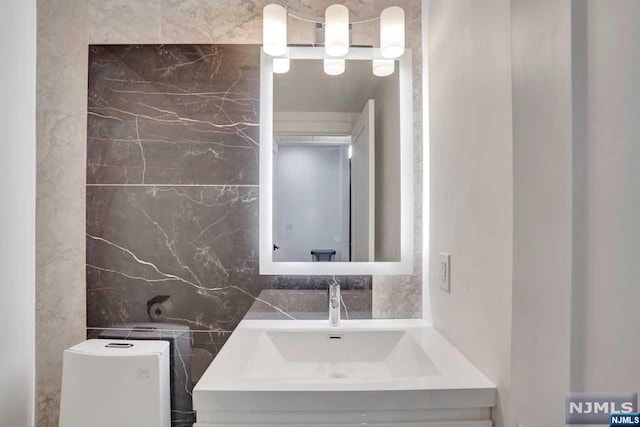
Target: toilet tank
<point x="179" y="339"/>
<point x="120" y="383"/>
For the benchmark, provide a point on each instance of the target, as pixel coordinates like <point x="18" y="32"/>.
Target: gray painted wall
<point x="542" y="257"/>
<point x="472" y="181"/>
<point x="571" y="67"/>
<point x="312" y="201"/>
<point x="17" y="211"/>
<point x="606" y="177"/>
<point x="576" y="95"/>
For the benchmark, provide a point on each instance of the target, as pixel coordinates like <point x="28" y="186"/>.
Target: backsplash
<point x="172" y="195"/>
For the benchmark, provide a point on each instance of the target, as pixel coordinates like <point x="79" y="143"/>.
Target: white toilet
<point x="122" y="383"/>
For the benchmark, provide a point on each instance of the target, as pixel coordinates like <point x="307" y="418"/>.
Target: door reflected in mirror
<point x="336" y="164"/>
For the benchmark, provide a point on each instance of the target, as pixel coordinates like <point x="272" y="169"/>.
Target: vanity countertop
<point x="378" y="370"/>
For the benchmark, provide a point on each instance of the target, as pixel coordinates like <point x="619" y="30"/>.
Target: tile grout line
<point x="172" y="185"/>
<point x="208" y="331"/>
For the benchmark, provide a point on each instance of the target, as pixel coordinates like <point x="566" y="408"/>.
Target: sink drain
<point x="337" y="375"/>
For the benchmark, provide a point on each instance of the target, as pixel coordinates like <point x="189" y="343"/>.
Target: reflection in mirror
<point x="336" y="164"/>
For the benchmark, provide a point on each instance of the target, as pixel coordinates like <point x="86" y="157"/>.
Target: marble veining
<point x="179" y="114"/>
<point x="191" y="243"/>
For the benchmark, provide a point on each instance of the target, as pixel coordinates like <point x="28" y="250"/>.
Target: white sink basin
<point x="304" y="373"/>
<point x="332" y="356"/>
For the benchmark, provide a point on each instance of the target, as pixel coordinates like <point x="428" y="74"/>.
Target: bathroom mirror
<point x="336" y="166"/>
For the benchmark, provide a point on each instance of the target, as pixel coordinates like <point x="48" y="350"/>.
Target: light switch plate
<point x="444" y="270"/>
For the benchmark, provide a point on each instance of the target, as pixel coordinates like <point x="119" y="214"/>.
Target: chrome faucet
<point x="334" y="303"/>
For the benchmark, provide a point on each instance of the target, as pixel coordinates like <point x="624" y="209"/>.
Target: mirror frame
<point x="270" y="267"/>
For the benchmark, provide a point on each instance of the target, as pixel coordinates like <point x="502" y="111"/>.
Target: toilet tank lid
<point x="146" y="331"/>
<point x="120" y="347"/>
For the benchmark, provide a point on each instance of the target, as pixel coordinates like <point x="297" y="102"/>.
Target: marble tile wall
<point x="172" y="194"/>
<point x="65" y="29"/>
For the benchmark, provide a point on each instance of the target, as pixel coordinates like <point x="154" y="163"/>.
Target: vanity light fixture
<point x="334" y="66"/>
<point x="274" y="30"/>
<point x="336" y="37"/>
<point x="392" y="32"/>
<point x="336" y="30"/>
<point x="383" y="67"/>
<point x="281" y="64"/>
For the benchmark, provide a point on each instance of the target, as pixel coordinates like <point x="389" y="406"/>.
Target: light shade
<point x="383" y="67"/>
<point x="274" y="30"/>
<point x="336" y="30"/>
<point x="392" y="32"/>
<point x="334" y="66"/>
<point x="281" y="65"/>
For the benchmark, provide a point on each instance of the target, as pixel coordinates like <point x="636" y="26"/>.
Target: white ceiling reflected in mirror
<point x="336" y="165"/>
